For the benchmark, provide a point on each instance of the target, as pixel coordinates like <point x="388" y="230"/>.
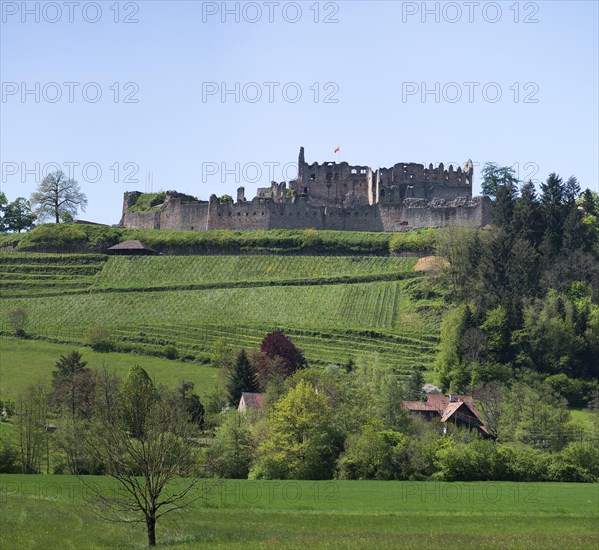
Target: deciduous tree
<point x="56" y="195"/>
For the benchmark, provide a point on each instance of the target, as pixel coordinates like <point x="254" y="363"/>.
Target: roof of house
<point x="418" y="406"/>
<point x="446" y="406"/>
<point x="132" y="245"/>
<point x="252" y="400"/>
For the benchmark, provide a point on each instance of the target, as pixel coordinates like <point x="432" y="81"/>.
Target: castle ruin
<point x="331" y="195"/>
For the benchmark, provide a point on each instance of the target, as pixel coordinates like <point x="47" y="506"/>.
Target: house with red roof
<point x="449" y="408"/>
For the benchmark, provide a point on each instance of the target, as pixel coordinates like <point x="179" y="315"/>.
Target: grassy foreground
<point x="49" y="512"/>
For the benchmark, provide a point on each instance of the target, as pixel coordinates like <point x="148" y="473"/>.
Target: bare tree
<point x="58" y="195"/>
<point x="156" y="466"/>
<point x="489" y="397"/>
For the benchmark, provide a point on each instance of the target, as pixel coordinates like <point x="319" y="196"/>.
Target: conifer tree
<point x="241" y="379"/>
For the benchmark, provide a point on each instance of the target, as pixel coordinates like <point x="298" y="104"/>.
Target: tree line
<point x="524" y="295"/>
<point x="58" y="197"/>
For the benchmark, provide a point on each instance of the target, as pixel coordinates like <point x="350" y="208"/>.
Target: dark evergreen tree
<point x="242" y="378"/>
<point x="527" y="220"/>
<point x="571" y="191"/>
<point x="72" y="385"/>
<point x="576" y="235"/>
<point x="415" y="392"/>
<point x="503" y="209"/>
<point x="552" y="208"/>
<point x="588" y="203"/>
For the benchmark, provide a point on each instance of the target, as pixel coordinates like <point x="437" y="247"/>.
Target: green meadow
<point x="23" y="362"/>
<point x="54" y="512"/>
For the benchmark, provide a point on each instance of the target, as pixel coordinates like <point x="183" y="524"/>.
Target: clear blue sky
<point x="378" y="56"/>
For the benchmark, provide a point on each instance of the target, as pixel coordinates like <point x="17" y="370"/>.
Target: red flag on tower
<point x="336" y="149"/>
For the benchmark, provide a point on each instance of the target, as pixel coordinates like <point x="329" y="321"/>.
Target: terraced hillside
<point x="27" y="275"/>
<point x="332" y="307"/>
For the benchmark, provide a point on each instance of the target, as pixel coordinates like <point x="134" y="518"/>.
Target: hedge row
<point x="82" y="238"/>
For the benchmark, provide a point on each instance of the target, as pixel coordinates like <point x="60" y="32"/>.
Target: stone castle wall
<point x="333" y="196"/>
<point x="259" y="213"/>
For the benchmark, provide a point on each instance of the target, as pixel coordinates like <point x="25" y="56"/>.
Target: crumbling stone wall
<point x="331" y="196"/>
<point x="302" y="213"/>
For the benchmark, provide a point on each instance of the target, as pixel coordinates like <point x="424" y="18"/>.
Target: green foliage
<point x="534" y="415"/>
<point x="57" y="195"/>
<point x="242" y="378"/>
<point x="374" y="453"/>
<point x="9" y="457"/>
<point x="98" y="337"/>
<point x="69" y="237"/>
<point x="421" y="240"/>
<point x="3" y="203"/>
<point x="476" y="461"/>
<point x="529" y="285"/>
<point x="301" y="442"/>
<point x="448" y="366"/>
<point x="584" y="455"/>
<point x="73" y="385"/>
<point x="147" y="202"/>
<point x="496" y="177"/>
<point x="171" y="352"/>
<point x="136" y="394"/>
<point x="230" y="453"/>
<point x="18" y="319"/>
<point x="18" y="216"/>
<point x="415" y="385"/>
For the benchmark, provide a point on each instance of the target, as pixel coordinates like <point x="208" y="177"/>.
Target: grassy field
<point x="23" y="362"/>
<point x="49" y="512"/>
<point x="332" y="307"/>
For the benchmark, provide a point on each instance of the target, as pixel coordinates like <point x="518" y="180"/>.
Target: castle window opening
<point x="354" y="171"/>
<point x="362" y="171"/>
<point x="312" y="177"/>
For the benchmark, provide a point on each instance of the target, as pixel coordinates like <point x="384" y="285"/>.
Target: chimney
<point x="452" y="398"/>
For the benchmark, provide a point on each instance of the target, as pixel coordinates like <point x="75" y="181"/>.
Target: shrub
<point x="583" y="455"/>
<point x="18" y="319"/>
<point x="374" y="453"/>
<point x="524" y="463"/>
<point x="98" y="337"/>
<point x="170" y="352"/>
<point x="147" y="201"/>
<point x="476" y="461"/>
<point x="8" y="457"/>
<point x="569" y="473"/>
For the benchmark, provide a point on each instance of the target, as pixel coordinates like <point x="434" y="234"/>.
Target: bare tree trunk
<point x="151" y="525"/>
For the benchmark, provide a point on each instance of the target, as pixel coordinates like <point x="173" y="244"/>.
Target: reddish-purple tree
<point x="288" y="357"/>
